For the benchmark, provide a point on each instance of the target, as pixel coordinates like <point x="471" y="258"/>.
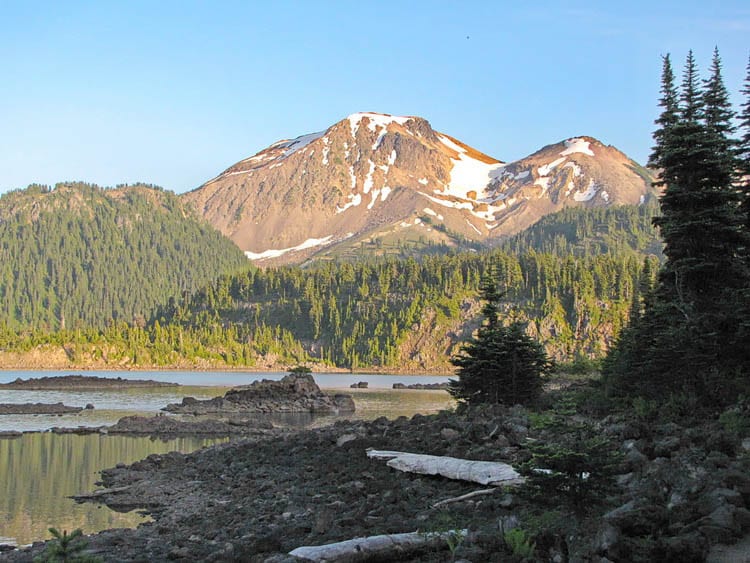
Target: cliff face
<point x="374" y="176"/>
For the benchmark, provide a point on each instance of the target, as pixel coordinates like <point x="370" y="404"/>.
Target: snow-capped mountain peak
<point x="374" y="175"/>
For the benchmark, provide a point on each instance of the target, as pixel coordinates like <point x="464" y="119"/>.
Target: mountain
<point x="83" y="255"/>
<point x="389" y="181"/>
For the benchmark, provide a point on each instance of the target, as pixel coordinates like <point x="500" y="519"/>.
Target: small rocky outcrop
<point x="422" y="386"/>
<point x="38" y="408"/>
<point x="80" y="382"/>
<point x="359" y="385"/>
<point x="293" y="393"/>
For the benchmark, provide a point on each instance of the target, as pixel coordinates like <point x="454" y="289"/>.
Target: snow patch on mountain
<point x="577" y="145"/>
<point x="275" y="253"/>
<point x="576" y="169"/>
<point x="589" y="194"/>
<point x="326" y="150"/>
<point x="354" y="201"/>
<point x="469" y="174"/>
<point x="376" y="120"/>
<point x="299" y="143"/>
<point x="542" y="182"/>
<point x="376" y="144"/>
<point x="547" y="168"/>
<point x="473" y="227"/>
<point x="368" y="179"/>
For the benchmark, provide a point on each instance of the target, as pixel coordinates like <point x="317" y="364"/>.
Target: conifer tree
<point x="668" y="117"/>
<point x="502" y="364"/>
<point x="690" y="336"/>
<point x="744" y="148"/>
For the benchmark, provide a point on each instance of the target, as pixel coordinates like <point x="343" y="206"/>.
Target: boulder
<point x="297" y="393"/>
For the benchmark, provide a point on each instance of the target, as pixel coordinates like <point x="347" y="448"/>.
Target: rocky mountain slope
<point x="381" y="178"/>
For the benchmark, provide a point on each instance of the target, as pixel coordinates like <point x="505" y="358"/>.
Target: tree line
<point x="690" y="336"/>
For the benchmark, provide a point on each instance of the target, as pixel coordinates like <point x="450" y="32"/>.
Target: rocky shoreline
<point x="242" y="411"/>
<point x="682" y="490"/>
<point x="40" y="408"/>
<point x="80" y="382"/>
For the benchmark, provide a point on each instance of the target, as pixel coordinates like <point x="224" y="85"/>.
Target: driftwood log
<point x="385" y="547"/>
<point x="482" y="472"/>
<point x="467" y="496"/>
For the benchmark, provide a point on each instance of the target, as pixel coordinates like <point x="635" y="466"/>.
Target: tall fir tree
<point x="744" y="147"/>
<point x="668" y="117"/>
<point x="689" y="339"/>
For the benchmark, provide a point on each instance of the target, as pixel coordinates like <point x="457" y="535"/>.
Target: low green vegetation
<point x="66" y="548"/>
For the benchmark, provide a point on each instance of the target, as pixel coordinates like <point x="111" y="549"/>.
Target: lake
<point x="38" y="471"/>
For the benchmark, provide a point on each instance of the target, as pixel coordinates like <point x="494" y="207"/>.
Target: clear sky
<point x="173" y="92"/>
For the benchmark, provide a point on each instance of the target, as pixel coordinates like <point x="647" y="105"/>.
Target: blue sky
<point x="172" y="93"/>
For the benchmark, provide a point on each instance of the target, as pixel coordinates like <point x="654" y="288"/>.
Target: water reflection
<point x="39" y="471"/>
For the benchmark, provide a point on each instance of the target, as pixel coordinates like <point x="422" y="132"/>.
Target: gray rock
<point x="724" y="518"/>
<point x="665" y="447"/>
<point x="634" y="459"/>
<point x="345" y="439"/>
<point x="449" y="434"/>
<point x="293" y="393"/>
<point x="606" y="538"/>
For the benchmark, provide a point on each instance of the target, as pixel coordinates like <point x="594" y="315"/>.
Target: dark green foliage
<point x="580" y="231"/>
<point x="668" y="118"/>
<point x="576" y="471"/>
<point x="691" y="336"/>
<point x="744" y="147"/>
<point x="364" y="314"/>
<point x="372" y="313"/>
<point x="66" y="548"/>
<point x="80" y="255"/>
<point x="502" y="364"/>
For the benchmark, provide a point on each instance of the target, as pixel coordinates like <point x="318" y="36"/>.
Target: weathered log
<point x="467" y="496"/>
<point x="482" y="472"/>
<point x="391" y="546"/>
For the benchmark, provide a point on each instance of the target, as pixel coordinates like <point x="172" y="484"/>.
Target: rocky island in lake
<point x="80" y="383"/>
<point x="40" y="408"/>
<point x="295" y="393"/>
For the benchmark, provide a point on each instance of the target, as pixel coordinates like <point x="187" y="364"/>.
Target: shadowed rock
<point x="293" y="393"/>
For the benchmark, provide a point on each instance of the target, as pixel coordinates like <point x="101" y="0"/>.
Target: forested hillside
<point x="586" y="232"/>
<point x="572" y="281"/>
<point x="83" y="255"/>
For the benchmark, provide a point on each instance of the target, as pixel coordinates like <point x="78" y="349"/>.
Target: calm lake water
<point x="38" y="471"/>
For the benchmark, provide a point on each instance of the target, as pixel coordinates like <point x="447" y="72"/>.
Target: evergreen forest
<point x="79" y="255"/>
<point x="571" y="280"/>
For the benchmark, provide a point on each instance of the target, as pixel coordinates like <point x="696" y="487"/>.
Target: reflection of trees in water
<point x="265" y="420"/>
<point x="39" y="471"/>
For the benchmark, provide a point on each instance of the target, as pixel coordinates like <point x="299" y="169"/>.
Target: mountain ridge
<point x="373" y="175"/>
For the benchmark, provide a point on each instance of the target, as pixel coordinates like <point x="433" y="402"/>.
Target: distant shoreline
<point x="230" y="369"/>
